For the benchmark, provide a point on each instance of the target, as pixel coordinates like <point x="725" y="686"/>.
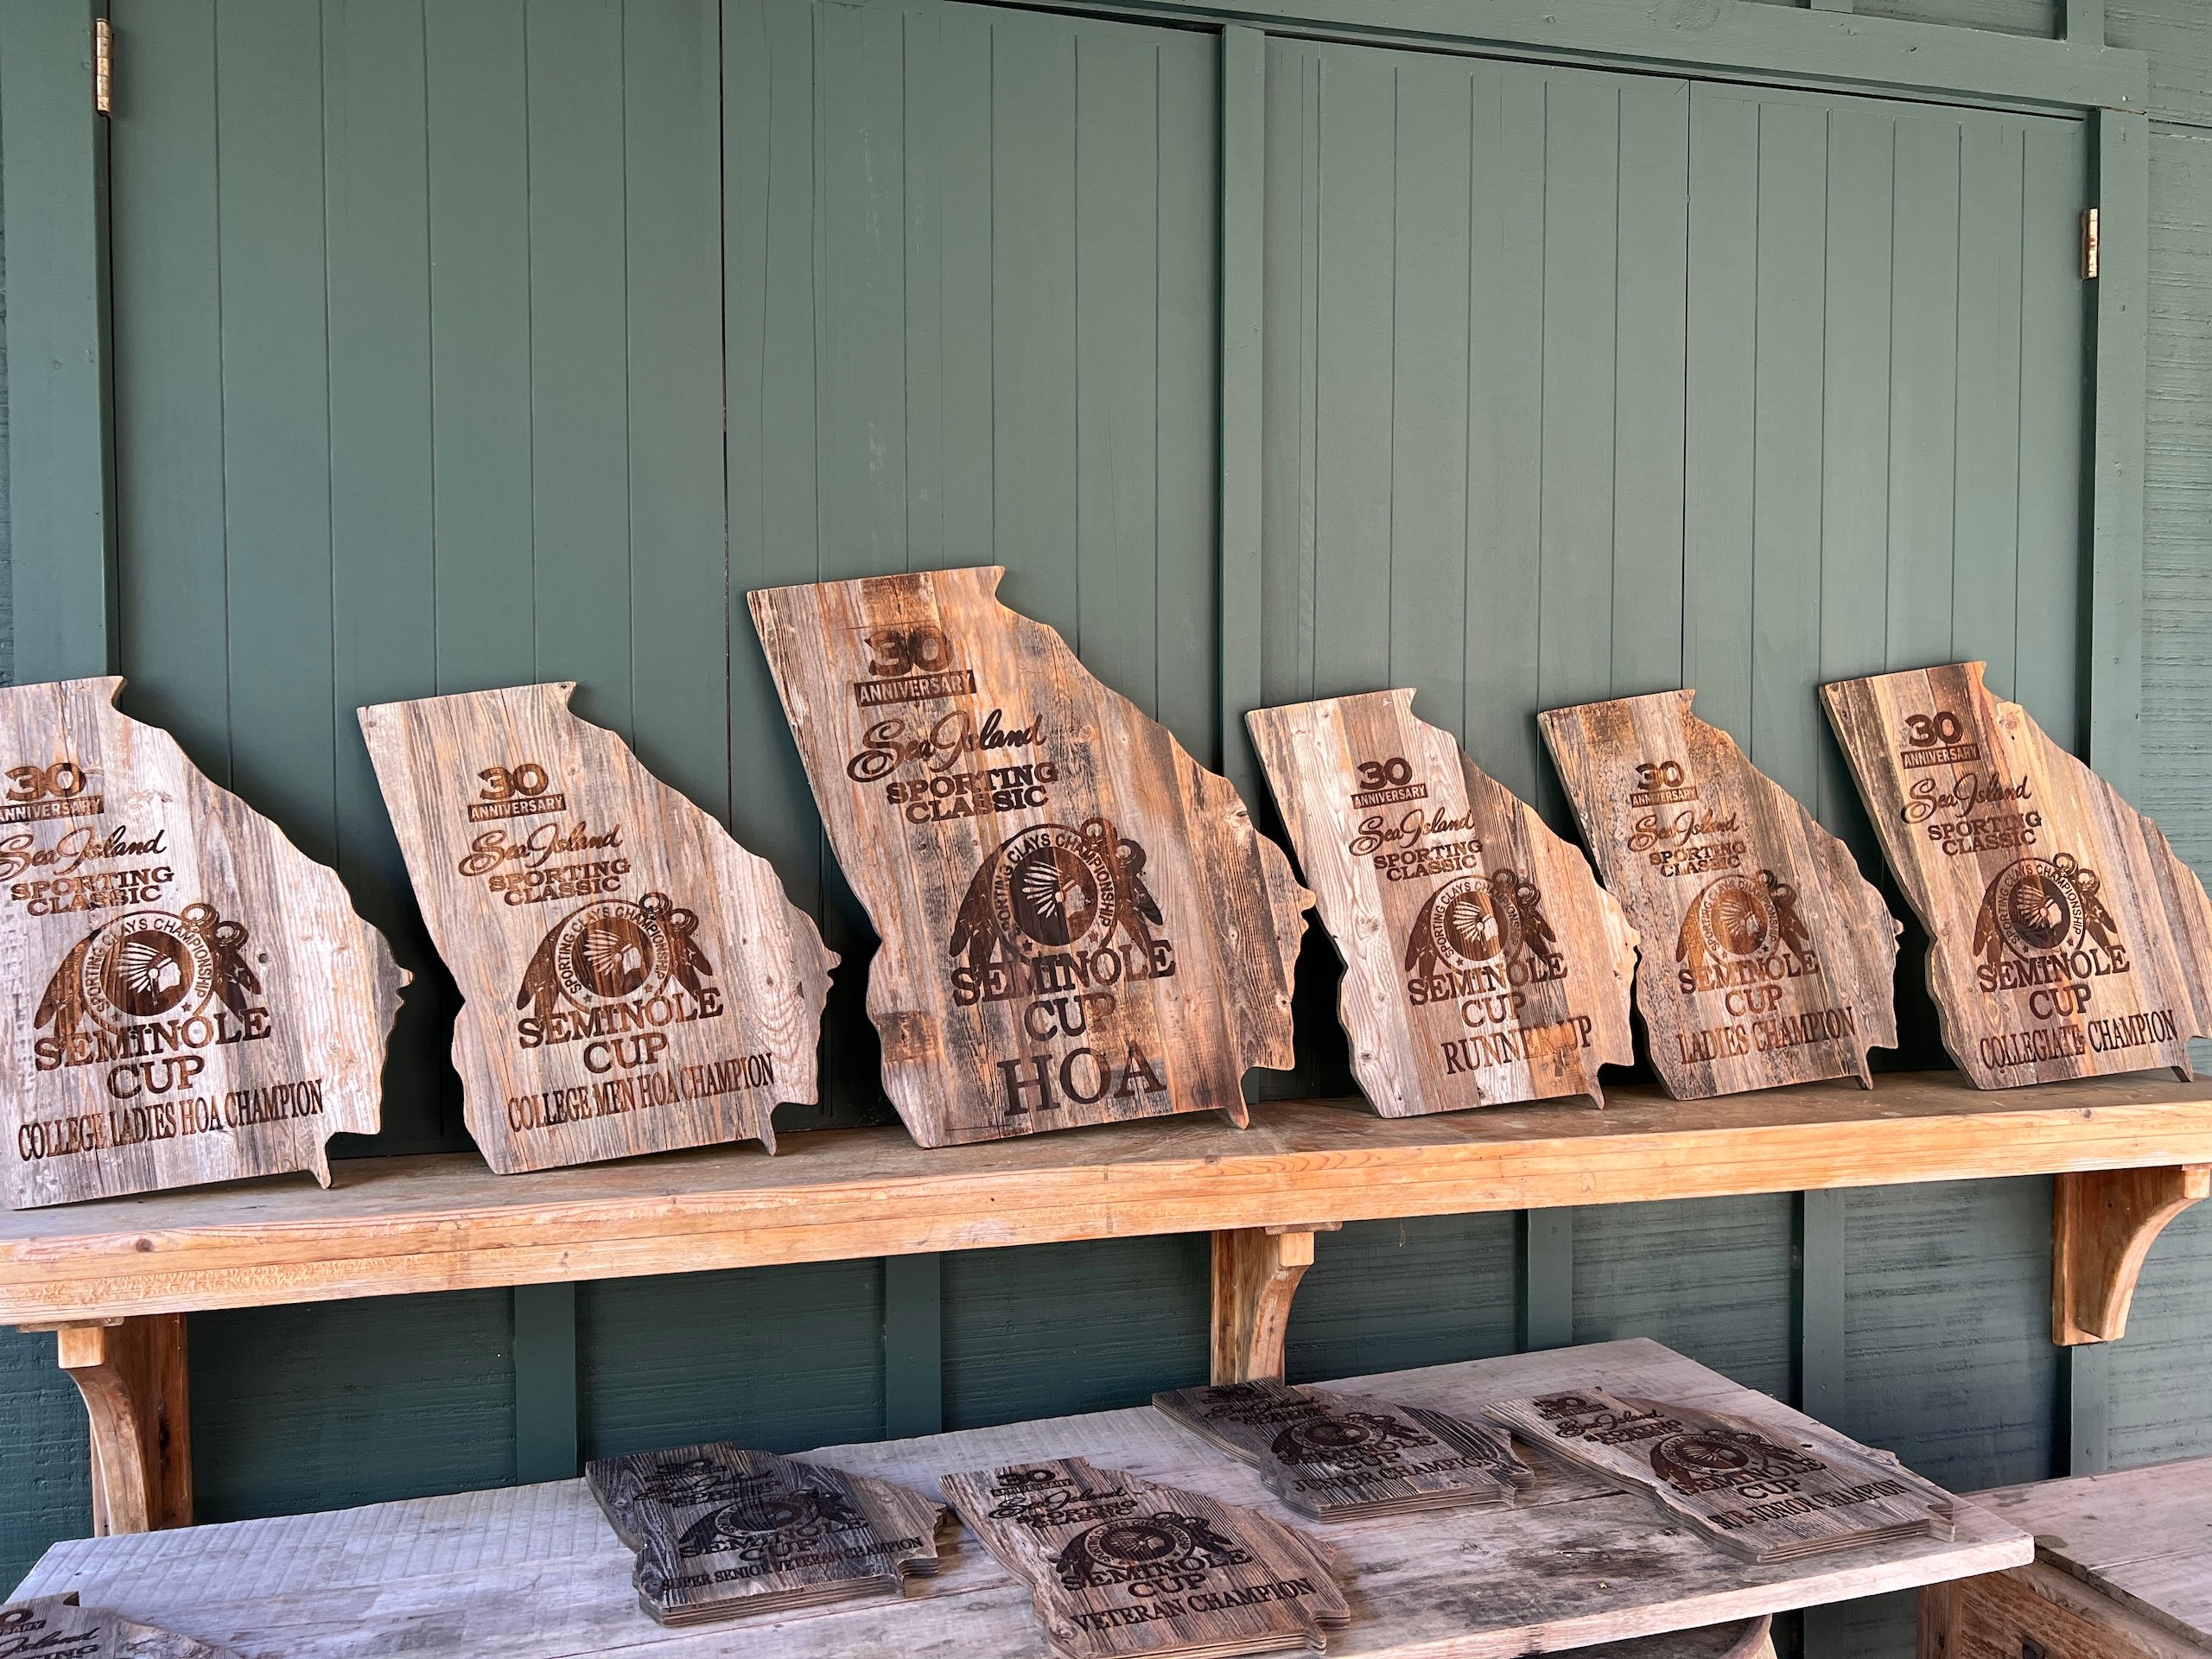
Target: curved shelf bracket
<point x="2103" y="1225"/>
<point x="133" y="1377"/>
<point x="1256" y="1274"/>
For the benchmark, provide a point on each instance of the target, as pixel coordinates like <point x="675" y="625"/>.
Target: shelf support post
<point x="1256" y="1273"/>
<point x="2103" y="1224"/>
<point x="136" y="1388"/>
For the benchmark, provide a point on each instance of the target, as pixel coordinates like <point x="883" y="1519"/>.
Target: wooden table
<point x="2123" y="1570"/>
<point x="114" y="1275"/>
<point x="533" y="1572"/>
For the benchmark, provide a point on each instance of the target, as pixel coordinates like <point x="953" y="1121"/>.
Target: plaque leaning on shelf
<point x="1339" y="1456"/>
<point x="720" y="1530"/>
<point x="190" y="997"/>
<point x="1767" y="958"/>
<point x="55" y="1627"/>
<point x="1079" y="923"/>
<point x="634" y="981"/>
<point x="2065" y="939"/>
<point x="1118" y="1566"/>
<point x="1764" y="1496"/>
<point x="1482" y="961"/>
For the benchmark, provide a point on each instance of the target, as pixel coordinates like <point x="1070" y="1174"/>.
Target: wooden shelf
<point x="534" y="1573"/>
<point x="390" y="1226"/>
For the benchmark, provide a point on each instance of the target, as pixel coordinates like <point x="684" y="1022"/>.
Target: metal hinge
<point x="103" y="65"/>
<point x="2089" y="244"/>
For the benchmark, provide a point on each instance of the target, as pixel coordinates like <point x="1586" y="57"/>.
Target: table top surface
<point x="534" y="1573"/>
<point x="2142" y="1536"/>
<point x="395" y="1226"/>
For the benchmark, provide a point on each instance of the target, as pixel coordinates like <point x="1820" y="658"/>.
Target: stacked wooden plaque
<point x="55" y="1627"/>
<point x="190" y="997"/>
<point x="1767" y="959"/>
<point x="1080" y="924"/>
<point x="720" y="1531"/>
<point x="1729" y="1478"/>
<point x="634" y="980"/>
<point x="1483" y="962"/>
<point x="1338" y="1457"/>
<point x="1118" y="1566"/>
<point x="2066" y="940"/>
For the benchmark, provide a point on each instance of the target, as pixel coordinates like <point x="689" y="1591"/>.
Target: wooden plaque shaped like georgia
<point x="1119" y="1567"/>
<point x="1079" y="923"/>
<point x="1767" y="958"/>
<point x="635" y="980"/>
<point x="2066" y="940"/>
<point x="1482" y="961"/>
<point x="55" y="1627"/>
<point x="190" y="997"/>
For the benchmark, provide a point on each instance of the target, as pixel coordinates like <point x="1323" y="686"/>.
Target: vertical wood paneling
<point x="173" y="591"/>
<point x="680" y="598"/>
<point x="1924" y="389"/>
<point x="579" y="312"/>
<point x="277" y="502"/>
<point x="1986" y="539"/>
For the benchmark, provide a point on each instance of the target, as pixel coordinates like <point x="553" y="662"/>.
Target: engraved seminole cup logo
<point x="150" y="964"/>
<point x="1142" y="1547"/>
<point x="2041" y="907"/>
<point x="1475" y="918"/>
<point x="1712" y="1459"/>
<point x="613" y="951"/>
<point x="768" y="1526"/>
<point x="1051" y="891"/>
<point x="1357" y="1435"/>
<point x="1740" y="916"/>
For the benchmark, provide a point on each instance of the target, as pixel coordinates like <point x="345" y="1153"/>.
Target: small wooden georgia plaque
<point x="2066" y="940"/>
<point x="1482" y="961"/>
<point x="634" y="981"/>
<point x="1079" y="923"/>
<point x="190" y="997"/>
<point x="55" y="1627"/>
<point x="1767" y="958"/>
<point x="1118" y="1566"/>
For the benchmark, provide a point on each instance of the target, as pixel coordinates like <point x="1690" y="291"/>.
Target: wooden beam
<point x="1243" y="212"/>
<point x="1256" y="1273"/>
<point x="1718" y="39"/>
<point x="1546" y="1279"/>
<point x="2121" y="296"/>
<point x="2085" y="21"/>
<point x="914" y="1345"/>
<point x="393" y="1226"/>
<point x="2103" y="1225"/>
<point x="137" y="1390"/>
<point x="546" y="1437"/>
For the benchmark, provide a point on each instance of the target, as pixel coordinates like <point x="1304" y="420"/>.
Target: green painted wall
<point x="390" y="423"/>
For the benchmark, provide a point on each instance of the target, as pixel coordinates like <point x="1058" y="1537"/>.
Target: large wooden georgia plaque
<point x="1118" y="1566"/>
<point x="1754" y="1493"/>
<point x="634" y="980"/>
<point x="189" y="997"/>
<point x="2065" y="938"/>
<point x="55" y="1627"/>
<point x="1767" y="958"/>
<point x="1482" y="961"/>
<point x="1079" y="923"/>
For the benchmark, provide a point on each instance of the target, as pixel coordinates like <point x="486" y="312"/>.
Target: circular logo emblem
<point x="610" y="951"/>
<point x="1144" y="1542"/>
<point x="1733" y="917"/>
<point x="2038" y="905"/>
<point x="1702" y="1454"/>
<point x="1052" y="889"/>
<point x="151" y="962"/>
<point x="1468" y="924"/>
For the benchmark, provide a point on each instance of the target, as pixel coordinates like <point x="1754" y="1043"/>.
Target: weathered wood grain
<point x="1256" y="1273"/>
<point x="135" y="1382"/>
<point x="56" y="1626"/>
<point x="1767" y="958"/>
<point x="1117" y="1564"/>
<point x="533" y="1573"/>
<point x="390" y="1226"/>
<point x="2065" y="938"/>
<point x="1482" y="961"/>
<point x="1079" y="923"/>
<point x="189" y="997"/>
<point x="1766" y="1497"/>
<point x="721" y="1531"/>
<point x="633" y="980"/>
<point x="2103" y="1224"/>
<point x="1335" y="1455"/>
<point x="2141" y="1538"/>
